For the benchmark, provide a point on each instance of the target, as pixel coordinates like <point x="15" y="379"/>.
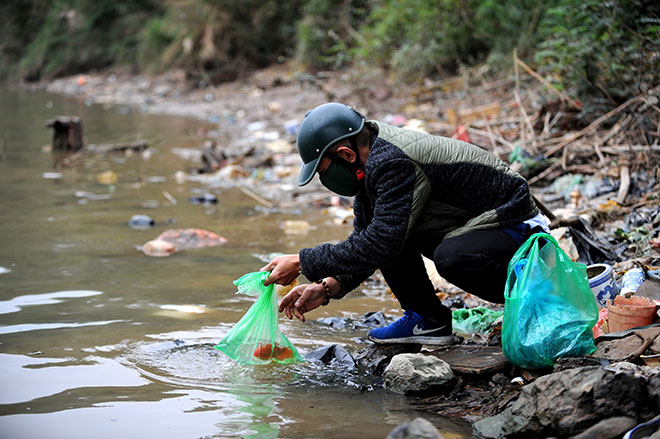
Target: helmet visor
<point x="307" y="171"/>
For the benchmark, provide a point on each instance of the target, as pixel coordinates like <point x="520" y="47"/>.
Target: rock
<point x="568" y="402"/>
<point x="612" y="428"/>
<point x="375" y="358"/>
<point x="141" y="222"/>
<point x="418" y="428"/>
<point x="417" y="373"/>
<point x="566" y="363"/>
<point x="333" y="354"/>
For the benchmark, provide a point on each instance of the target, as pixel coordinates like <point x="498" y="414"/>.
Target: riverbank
<point x="271" y="96"/>
<point x="265" y="108"/>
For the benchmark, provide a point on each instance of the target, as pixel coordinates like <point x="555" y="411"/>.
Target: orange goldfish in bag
<point x="267" y="351"/>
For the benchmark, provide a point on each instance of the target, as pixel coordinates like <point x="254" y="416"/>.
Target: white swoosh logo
<point x="418" y="331"/>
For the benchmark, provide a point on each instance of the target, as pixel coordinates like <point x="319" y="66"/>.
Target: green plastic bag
<point x="473" y="320"/>
<point x="549" y="309"/>
<point x="256" y="338"/>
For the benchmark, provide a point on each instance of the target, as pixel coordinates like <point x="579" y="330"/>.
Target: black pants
<point x="476" y="262"/>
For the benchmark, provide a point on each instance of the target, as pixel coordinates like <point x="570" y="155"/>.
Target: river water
<point x="98" y="340"/>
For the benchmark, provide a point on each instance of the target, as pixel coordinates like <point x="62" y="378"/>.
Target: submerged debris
<point x="175" y="240"/>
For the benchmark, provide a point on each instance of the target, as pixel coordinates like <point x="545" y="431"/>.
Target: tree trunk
<point x="67" y="133"/>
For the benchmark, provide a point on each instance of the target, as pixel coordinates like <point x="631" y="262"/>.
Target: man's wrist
<point x="334" y="286"/>
<point x="326" y="289"/>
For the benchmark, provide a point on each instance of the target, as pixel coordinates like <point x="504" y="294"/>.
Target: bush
<point x="417" y="38"/>
<point x="602" y="52"/>
<point x="327" y="34"/>
<point x="49" y="38"/>
<point x="69" y="36"/>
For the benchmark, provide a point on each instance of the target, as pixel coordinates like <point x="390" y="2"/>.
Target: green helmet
<point x="322" y="127"/>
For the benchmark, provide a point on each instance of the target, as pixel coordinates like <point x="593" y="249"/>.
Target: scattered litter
<point x="279" y="146"/>
<point x="296" y="227"/>
<point x="475" y="320"/>
<point x="255" y="126"/>
<point x="631" y="281"/>
<point x="107" y="177"/>
<point x="141" y="222"/>
<point x="291" y="126"/>
<point x="169" y="197"/>
<point x="187" y="153"/>
<point x="150" y="204"/>
<point x="83" y="195"/>
<point x="175" y="240"/>
<point x="396" y="120"/>
<point x="180" y="177"/>
<point x="204" y="199"/>
<point x="416" y="125"/>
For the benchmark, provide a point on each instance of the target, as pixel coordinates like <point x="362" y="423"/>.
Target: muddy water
<point x="98" y="340"/>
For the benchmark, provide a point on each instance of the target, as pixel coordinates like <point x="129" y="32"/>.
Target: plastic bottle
<point x="631" y="281"/>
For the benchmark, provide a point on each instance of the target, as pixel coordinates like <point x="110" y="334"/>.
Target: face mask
<point x="341" y="179"/>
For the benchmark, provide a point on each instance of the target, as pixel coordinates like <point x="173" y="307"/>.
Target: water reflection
<point x="27" y="327"/>
<point x="26" y="378"/>
<point x="17" y="303"/>
<point x="178" y="414"/>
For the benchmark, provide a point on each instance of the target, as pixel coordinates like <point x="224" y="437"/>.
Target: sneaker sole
<point x="435" y="341"/>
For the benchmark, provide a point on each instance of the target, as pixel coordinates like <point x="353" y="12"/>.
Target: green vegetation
<point x="603" y="52"/>
<point x="600" y="52"/>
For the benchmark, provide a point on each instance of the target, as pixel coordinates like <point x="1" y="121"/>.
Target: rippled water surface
<point x="99" y="341"/>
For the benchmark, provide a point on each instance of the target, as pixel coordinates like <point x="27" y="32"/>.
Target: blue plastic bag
<point x="549" y="309"/>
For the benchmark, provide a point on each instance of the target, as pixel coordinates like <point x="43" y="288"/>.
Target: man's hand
<point x="285" y="269"/>
<point x="302" y="299"/>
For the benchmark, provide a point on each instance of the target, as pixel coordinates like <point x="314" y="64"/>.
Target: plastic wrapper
<point x="549" y="309"/>
<point x="256" y="338"/>
<point x="474" y="320"/>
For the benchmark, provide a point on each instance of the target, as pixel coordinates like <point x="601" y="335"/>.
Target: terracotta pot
<point x="631" y="312"/>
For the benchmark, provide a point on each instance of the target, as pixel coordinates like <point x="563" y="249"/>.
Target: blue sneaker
<point x="413" y="328"/>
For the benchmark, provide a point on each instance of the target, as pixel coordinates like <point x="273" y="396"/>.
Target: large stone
<point x="568" y="402"/>
<point x="418" y="428"/>
<point x="612" y="428"/>
<point x="417" y="373"/>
